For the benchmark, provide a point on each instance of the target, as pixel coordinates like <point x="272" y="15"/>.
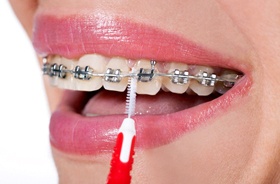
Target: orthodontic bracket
<point x="146" y="75"/>
<point x="179" y="77"/>
<point x="208" y="80"/>
<point x="82" y="73"/>
<point x="113" y="75"/>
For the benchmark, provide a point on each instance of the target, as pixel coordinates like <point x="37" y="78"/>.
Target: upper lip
<point x="74" y="36"/>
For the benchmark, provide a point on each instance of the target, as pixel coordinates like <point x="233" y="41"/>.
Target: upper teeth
<point x="113" y="75"/>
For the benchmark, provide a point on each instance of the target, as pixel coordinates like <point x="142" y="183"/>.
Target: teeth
<point x="198" y="88"/>
<point x="221" y="87"/>
<point x="151" y="87"/>
<point x="53" y="80"/>
<point x="93" y="71"/>
<point x="117" y="63"/>
<point x="169" y="85"/>
<point x="98" y="64"/>
<point x="67" y="82"/>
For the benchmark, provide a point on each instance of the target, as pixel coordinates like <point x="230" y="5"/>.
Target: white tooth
<point x="198" y="88"/>
<point x="117" y="63"/>
<point x="55" y="60"/>
<point x="98" y="64"/>
<point x="175" y="88"/>
<point x="65" y="83"/>
<point x="151" y="87"/>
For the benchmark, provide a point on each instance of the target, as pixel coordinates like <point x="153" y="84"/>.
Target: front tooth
<point x="117" y="63"/>
<point x="175" y="88"/>
<point x="65" y="83"/>
<point x="95" y="62"/>
<point x="151" y="87"/>
<point x="198" y="88"/>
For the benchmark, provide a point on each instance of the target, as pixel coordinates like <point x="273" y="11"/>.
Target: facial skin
<point x="240" y="146"/>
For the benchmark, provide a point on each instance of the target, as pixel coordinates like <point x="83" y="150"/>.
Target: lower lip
<point x="72" y="132"/>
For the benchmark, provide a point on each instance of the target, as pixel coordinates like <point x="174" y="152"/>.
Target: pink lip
<point x="78" y="35"/>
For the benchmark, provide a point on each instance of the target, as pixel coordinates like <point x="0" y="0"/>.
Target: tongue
<point x="109" y="102"/>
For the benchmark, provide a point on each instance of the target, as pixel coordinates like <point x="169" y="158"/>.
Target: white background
<point x="25" y="156"/>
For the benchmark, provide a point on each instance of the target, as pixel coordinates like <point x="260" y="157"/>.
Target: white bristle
<point x="131" y="97"/>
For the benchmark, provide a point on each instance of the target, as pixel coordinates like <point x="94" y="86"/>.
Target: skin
<point x="229" y="149"/>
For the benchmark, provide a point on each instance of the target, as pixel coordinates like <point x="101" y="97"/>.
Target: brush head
<point x="131" y="96"/>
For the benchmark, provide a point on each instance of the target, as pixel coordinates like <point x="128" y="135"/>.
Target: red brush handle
<point x="120" y="171"/>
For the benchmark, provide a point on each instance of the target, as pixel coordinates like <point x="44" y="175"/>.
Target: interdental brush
<point x="122" y="158"/>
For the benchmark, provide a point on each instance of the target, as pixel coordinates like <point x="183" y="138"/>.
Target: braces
<point x="179" y="77"/>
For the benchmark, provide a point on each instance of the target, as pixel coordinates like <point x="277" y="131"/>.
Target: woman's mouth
<point x="187" y="86"/>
